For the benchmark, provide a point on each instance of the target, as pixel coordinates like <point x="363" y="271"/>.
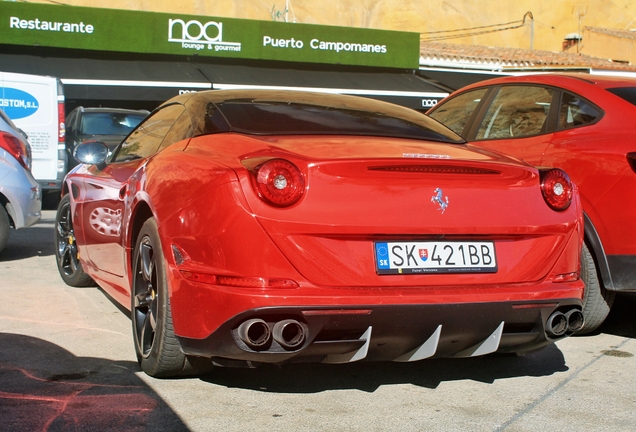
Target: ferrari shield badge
<point x="439" y="199"/>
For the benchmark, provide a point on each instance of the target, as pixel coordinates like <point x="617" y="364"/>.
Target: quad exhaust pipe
<point x="560" y="323"/>
<point x="257" y="334"/>
<point x="575" y="320"/>
<point x="289" y="333"/>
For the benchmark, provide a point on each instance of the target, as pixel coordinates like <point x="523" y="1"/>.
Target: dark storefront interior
<point x="137" y="81"/>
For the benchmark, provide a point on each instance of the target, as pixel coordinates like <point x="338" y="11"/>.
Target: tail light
<point x="16" y="148"/>
<point x="279" y="182"/>
<point x="557" y="188"/>
<point x="61" y="126"/>
<point x="62" y="158"/>
<point x="631" y="160"/>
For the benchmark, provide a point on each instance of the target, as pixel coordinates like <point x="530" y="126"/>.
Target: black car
<point x="108" y="125"/>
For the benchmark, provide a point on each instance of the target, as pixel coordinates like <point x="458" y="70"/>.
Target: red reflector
<point x="337" y="312"/>
<point x="242" y="282"/>
<point x="566" y="277"/>
<point x="557" y="189"/>
<point x="282" y="283"/>
<point x="199" y="277"/>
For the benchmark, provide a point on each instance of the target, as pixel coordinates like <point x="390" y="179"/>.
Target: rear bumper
<point x="23" y="194"/>
<point x="340" y="334"/>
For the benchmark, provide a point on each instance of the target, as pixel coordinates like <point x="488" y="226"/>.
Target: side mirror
<point x="91" y="152"/>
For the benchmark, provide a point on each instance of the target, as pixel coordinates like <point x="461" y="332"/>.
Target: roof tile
<point x="438" y="53"/>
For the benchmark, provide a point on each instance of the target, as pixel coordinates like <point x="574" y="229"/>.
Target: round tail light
<point x="557" y="189"/>
<point x="279" y="182"/>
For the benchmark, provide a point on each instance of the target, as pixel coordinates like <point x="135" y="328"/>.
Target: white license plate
<point x="435" y="257"/>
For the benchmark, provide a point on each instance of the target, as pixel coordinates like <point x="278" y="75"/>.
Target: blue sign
<point x="16" y="103"/>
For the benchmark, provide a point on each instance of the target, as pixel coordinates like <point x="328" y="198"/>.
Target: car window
<point x="181" y="129"/>
<point x="576" y="111"/>
<point x="108" y="123"/>
<point x="455" y="112"/>
<point x="516" y="111"/>
<point x="70" y="124"/>
<point x="146" y="139"/>
<point x="298" y="118"/>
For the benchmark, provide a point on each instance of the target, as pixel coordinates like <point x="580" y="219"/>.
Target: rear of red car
<point x="337" y="248"/>
<point x="581" y="123"/>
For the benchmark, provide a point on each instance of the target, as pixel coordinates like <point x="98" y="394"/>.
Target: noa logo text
<point x="194" y="31"/>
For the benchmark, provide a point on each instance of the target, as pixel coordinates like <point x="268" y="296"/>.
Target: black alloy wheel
<point x="146" y="298"/>
<point x="66" y="250"/>
<point x="158" y="350"/>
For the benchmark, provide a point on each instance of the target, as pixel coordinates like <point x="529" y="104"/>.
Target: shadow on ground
<point x="368" y="377"/>
<point x="45" y="388"/>
<point x="621" y="321"/>
<point x="29" y="242"/>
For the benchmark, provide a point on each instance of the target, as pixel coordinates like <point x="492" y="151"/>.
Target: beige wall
<point x="553" y="19"/>
<point x="608" y="47"/>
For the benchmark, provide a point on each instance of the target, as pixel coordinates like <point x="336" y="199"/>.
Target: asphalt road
<point x="67" y="363"/>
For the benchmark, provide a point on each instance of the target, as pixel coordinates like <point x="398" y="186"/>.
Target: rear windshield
<point x="281" y="118"/>
<point x="627" y="93"/>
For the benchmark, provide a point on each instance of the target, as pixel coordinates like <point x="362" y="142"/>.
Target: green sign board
<point x="162" y="33"/>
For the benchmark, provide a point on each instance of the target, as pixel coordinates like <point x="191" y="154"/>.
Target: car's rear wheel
<point x="597" y="301"/>
<point x="66" y="251"/>
<point x="157" y="348"/>
<point x="5" y="226"/>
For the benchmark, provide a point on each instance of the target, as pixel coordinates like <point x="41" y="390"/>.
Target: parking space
<point x="67" y="362"/>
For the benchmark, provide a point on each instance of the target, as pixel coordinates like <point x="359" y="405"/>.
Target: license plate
<point x="435" y="257"/>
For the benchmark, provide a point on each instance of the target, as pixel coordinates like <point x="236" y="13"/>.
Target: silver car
<point x="20" y="194"/>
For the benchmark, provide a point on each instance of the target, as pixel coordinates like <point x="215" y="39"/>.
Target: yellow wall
<point x="553" y="19"/>
<point x="609" y="47"/>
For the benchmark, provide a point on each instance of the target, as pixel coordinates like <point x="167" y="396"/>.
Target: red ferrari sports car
<point x="242" y="227"/>
<point x="584" y="125"/>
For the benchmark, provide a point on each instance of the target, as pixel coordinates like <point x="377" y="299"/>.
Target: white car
<point x="20" y="194"/>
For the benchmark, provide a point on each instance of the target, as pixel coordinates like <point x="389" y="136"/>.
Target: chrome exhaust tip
<point x="255" y="333"/>
<point x="556" y="325"/>
<point x="576" y="320"/>
<point x="289" y="333"/>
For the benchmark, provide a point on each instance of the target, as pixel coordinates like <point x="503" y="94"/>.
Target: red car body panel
<point x="593" y="155"/>
<point x="359" y="189"/>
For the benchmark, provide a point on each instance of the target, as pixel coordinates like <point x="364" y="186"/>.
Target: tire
<point x="5" y="227"/>
<point x="66" y="251"/>
<point x="157" y="348"/>
<point x="597" y="301"/>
